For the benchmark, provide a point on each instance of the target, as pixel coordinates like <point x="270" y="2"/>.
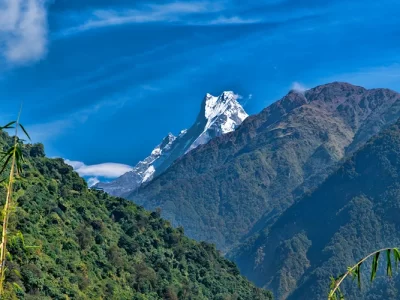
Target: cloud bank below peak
<point x="106" y="170"/>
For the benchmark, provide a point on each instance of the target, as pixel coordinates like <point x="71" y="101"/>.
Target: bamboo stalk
<point x="350" y="270"/>
<point x="6" y="211"/>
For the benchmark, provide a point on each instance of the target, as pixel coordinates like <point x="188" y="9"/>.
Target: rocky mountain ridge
<point x="355" y="211"/>
<point x="218" y="116"/>
<point x="238" y="183"/>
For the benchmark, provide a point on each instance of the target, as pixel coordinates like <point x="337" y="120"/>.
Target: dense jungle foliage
<point x="353" y="213"/>
<point x="69" y="242"/>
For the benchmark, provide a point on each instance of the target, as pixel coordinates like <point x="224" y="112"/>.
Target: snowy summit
<point x="218" y="116"/>
<point x="222" y="115"/>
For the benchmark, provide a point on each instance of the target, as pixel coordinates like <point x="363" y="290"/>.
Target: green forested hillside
<point x="88" y="245"/>
<point x="354" y="212"/>
<point x="236" y="184"/>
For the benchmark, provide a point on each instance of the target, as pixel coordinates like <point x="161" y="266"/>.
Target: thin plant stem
<point x="350" y="270"/>
<point x="6" y="211"/>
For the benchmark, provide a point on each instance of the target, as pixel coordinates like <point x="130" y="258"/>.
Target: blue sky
<point x="104" y="81"/>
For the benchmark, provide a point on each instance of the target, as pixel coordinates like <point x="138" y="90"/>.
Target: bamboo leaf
<point x="396" y="255"/>
<point x="341" y="296"/>
<point x="18" y="160"/>
<point x="8" y="126"/>
<point x="389" y="264"/>
<point x="333" y="282"/>
<point x="17" y="272"/>
<point x="26" y="133"/>
<point x="374" y="266"/>
<point x="32" y="247"/>
<point x="17" y="287"/>
<point x="8" y="153"/>
<point x="5" y="164"/>
<point x="19" y="168"/>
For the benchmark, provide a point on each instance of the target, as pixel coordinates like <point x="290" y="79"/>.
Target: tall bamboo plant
<point x="355" y="271"/>
<point x="12" y="159"/>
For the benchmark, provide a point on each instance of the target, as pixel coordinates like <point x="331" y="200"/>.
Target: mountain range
<point x="294" y="194"/>
<point x="218" y="116"/>
<point x="239" y="183"/>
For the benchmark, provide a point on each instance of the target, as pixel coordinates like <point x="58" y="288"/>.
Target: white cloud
<point x="92" y="181"/>
<point x="107" y="170"/>
<point x="178" y="12"/>
<point x="298" y="87"/>
<point x="171" y="12"/>
<point x="245" y="100"/>
<point x="23" y="30"/>
<point x="186" y="7"/>
<point x="228" y="21"/>
<point x="237" y="96"/>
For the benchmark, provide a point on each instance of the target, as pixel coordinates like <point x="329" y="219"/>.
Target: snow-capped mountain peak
<point x="217" y="105"/>
<point x="219" y="115"/>
<point x="222" y="115"/>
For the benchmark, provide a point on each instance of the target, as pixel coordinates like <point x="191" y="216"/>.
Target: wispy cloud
<point x="211" y="12"/>
<point x="23" y="30"/>
<point x="171" y="12"/>
<point x="245" y="100"/>
<point x="149" y="87"/>
<point x="42" y="132"/>
<point x="237" y="96"/>
<point x="298" y="87"/>
<point x="107" y="170"/>
<point x="229" y="21"/>
<point x="382" y="76"/>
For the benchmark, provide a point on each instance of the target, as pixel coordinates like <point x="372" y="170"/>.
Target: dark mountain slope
<point x="218" y="116"/>
<point x="236" y="184"/>
<point x="354" y="212"/>
<point x="93" y="246"/>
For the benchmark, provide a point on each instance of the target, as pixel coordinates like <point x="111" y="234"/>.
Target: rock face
<point x="238" y="183"/>
<point x="142" y="172"/>
<point x="218" y="115"/>
<point x="355" y="211"/>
